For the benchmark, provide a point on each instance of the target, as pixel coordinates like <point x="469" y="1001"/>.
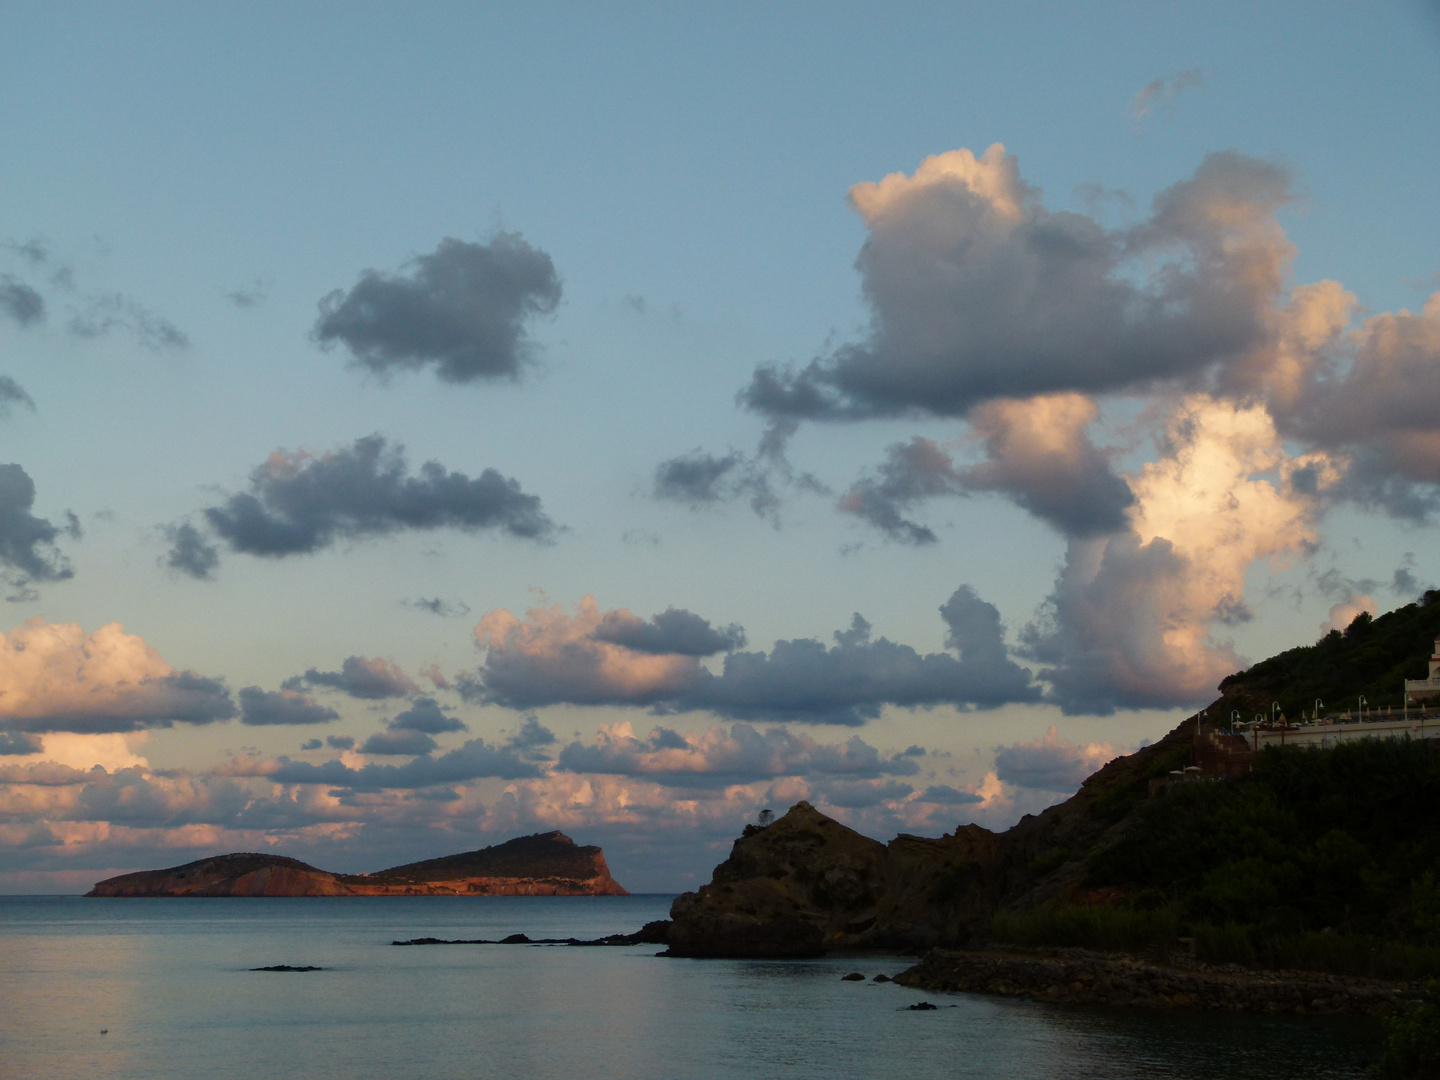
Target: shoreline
<point x="1082" y="977"/>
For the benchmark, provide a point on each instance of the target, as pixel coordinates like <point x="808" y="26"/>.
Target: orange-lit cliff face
<point x="547" y="864"/>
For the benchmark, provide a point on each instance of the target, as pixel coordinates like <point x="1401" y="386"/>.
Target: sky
<point x="425" y="426"/>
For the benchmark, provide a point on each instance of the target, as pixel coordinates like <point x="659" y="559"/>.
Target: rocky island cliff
<point x="545" y="864"/>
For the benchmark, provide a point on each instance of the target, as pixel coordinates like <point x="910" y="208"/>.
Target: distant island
<point x="545" y="864"/>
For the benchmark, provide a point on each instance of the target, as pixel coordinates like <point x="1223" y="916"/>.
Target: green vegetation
<point x="1372" y="658"/>
<point x="1093" y="926"/>
<point x="1412" y="1039"/>
<point x="1325" y="859"/>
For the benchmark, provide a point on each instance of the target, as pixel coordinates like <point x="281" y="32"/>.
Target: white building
<point x="1418" y="689"/>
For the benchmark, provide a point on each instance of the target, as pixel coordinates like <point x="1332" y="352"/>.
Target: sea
<point x="163" y="988"/>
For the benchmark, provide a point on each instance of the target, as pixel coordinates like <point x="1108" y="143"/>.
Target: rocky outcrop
<point x="546" y="864"/>
<point x="1078" y="977"/>
<point x="807" y="883"/>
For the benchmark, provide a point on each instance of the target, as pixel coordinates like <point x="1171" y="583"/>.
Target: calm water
<point x="169" y="980"/>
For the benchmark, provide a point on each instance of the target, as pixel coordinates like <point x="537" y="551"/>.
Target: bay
<point x="169" y="982"/>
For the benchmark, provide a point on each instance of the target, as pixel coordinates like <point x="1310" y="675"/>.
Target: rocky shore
<point x="1075" y="976"/>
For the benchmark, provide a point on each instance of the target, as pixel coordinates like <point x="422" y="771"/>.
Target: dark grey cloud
<point x="425" y="714"/>
<point x="311" y="744"/>
<point x="801" y="680"/>
<point x="945" y="795"/>
<point x="340" y="742"/>
<point x="18" y="743"/>
<point x="463" y="308"/>
<point x="27" y="543"/>
<point x="532" y="740"/>
<point x="911" y="472"/>
<point x="13" y="394"/>
<point x="978" y="292"/>
<point x="472" y="761"/>
<point x="720" y="757"/>
<point x="190" y="553"/>
<point x="1050" y="764"/>
<point x="298" y="504"/>
<point x="266" y="707"/>
<point x="673" y="631"/>
<point x="437" y="606"/>
<point x="111" y="312"/>
<point x="20" y="302"/>
<point x="701" y="479"/>
<point x="360" y="677"/>
<point x="398" y="741"/>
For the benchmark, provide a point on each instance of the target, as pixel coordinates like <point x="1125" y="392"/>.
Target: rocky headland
<point x="546" y="864"/>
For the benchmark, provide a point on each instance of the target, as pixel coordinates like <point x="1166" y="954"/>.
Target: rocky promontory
<point x="545" y="864"/>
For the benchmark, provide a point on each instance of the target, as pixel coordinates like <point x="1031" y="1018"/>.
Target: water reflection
<point x="169" y="979"/>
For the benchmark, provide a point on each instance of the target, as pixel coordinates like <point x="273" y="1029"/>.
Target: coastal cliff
<point x="546" y="864"/>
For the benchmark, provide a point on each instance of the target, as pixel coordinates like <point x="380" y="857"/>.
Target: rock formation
<point x="546" y="864"/>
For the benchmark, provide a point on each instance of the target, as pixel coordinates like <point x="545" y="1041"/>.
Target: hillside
<point x="546" y="864"/>
<point x="1321" y="858"/>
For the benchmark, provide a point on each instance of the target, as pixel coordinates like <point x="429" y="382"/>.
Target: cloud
<point x="945" y="795"/>
<point x="260" y="708"/>
<point x="19" y="743"/>
<point x="437" y="606"/>
<point x="1039" y="452"/>
<point x="426" y="715"/>
<point x="1128" y="621"/>
<point x="340" y="742"/>
<point x="13" y="394"/>
<point x="1374" y="394"/>
<point x="249" y="296"/>
<point x="312" y="744"/>
<point x="103" y="315"/>
<point x="20" y="302"/>
<point x="720" y="757"/>
<point x="673" y="631"/>
<point x="911" y="472"/>
<point x="1164" y="90"/>
<point x="552" y="658"/>
<point x="701" y="479"/>
<point x="462" y="308"/>
<point x="532" y="740"/>
<point x="56" y="677"/>
<point x="474" y="760"/>
<point x="398" y="741"/>
<point x="367" y="679"/>
<point x="977" y="291"/>
<point x="27" y="542"/>
<point x="1347" y="611"/>
<point x="298" y="503"/>
<point x="1051" y="764"/>
<point x="190" y="553"/>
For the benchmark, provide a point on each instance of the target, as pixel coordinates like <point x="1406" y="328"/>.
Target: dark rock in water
<point x="921" y="1006"/>
<point x="516" y="939"/>
<point x="854" y="976"/>
<point x="652" y="933"/>
<point x="289" y="967"/>
<point x="882" y="978"/>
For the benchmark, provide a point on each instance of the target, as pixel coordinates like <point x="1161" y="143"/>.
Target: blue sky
<point x="184" y="187"/>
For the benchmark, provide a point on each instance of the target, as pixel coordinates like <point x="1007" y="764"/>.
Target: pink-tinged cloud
<point x="1051" y="763"/>
<point x="56" y="677"/>
<point x="1347" y="611"/>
